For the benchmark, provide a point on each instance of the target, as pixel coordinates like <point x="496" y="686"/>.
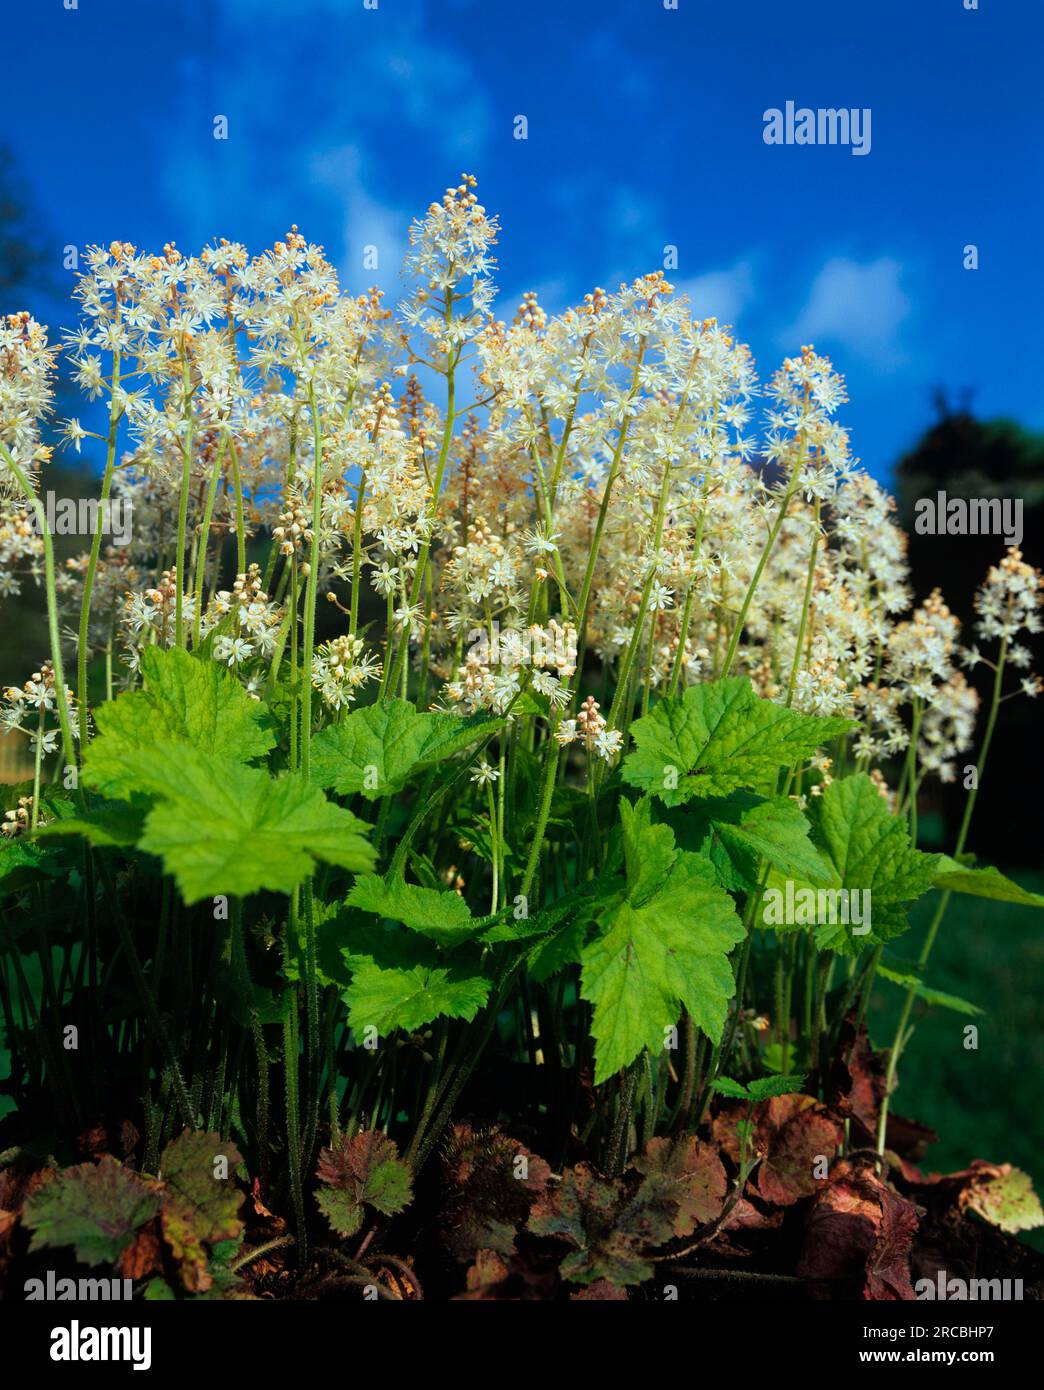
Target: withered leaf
<point x="612" y="1233"/>
<point x="860" y="1228"/>
<point x="494" y="1181"/>
<point x="796" y="1134"/>
<point x="855" y="1085"/>
<point x="687" y="1173"/>
<point x="94" y="1207"/>
<point x="1003" y="1196"/>
<point x="362" y="1171"/>
<point x="201" y="1204"/>
<point x="602" y="1291"/>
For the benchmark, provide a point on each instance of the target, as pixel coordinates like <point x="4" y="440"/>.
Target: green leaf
<point x="222" y="828"/>
<point x="986" y="882"/>
<point x="738" y="832"/>
<point x="717" y="737"/>
<point x="649" y="850"/>
<point x="201" y="1203"/>
<point x="768" y="1086"/>
<point x="185" y="700"/>
<point x="377" y="749"/>
<point x="387" y="999"/>
<point x="870" y="849"/>
<point x="936" y="998"/>
<point x="400" y="981"/>
<point x="95" y="1207"/>
<point x="442" y="916"/>
<point x="107" y="823"/>
<point x="763" y="1089"/>
<point x="359" y="1172"/>
<point x="23" y="861"/>
<point x="1004" y="1197"/>
<point x="654" y="956"/>
<point x="725" y="1086"/>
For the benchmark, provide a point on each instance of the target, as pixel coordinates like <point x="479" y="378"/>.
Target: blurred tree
<point x="26" y="264"/>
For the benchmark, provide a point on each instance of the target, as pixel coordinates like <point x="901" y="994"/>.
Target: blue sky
<point x="645" y="129"/>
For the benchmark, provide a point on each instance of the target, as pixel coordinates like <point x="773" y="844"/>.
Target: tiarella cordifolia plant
<point x="471" y="696"/>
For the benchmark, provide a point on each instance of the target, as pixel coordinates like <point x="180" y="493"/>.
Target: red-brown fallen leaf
<point x="859" y="1227"/>
<point x="144" y="1256"/>
<point x="512" y="1279"/>
<point x="798" y="1136"/>
<point x="493" y="1181"/>
<point x="746" y="1216"/>
<point x="908" y="1138"/>
<point x="855" y="1084"/>
<point x="689" y="1174"/>
<point x="120" y="1139"/>
<point x="792" y="1133"/>
<point x="601" y="1291"/>
<point x="487" y="1272"/>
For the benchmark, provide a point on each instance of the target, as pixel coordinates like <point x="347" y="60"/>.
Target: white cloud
<point x="721" y="294"/>
<point x="367" y="222"/>
<point x="858" y="304"/>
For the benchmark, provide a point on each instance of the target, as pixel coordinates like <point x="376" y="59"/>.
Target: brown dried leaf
<point x="860" y="1228"/>
<point x="602" y="1291"/>
<point x="144" y="1256"/>
<point x="791" y="1132"/>
<point x="494" y="1181"/>
<point x="200" y="1205"/>
<point x="796" y="1134"/>
<point x="687" y="1173"/>
<point x="612" y="1232"/>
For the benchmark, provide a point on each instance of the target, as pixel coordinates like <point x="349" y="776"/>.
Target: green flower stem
<point x="603" y="511"/>
<point x="624" y="677"/>
<point x="810" y="579"/>
<point x="748" y="598"/>
<point x="311" y="982"/>
<point x="312" y="590"/>
<point x="92" y="563"/>
<point x="237" y="483"/>
<point x="492" y="806"/>
<point x="417" y="587"/>
<point x="901" y="1035"/>
<point x="547" y="791"/>
<point x="183" y="501"/>
<point x="201" y="554"/>
<point x="357" y="550"/>
<point x="68" y="747"/>
<point x="37" y="764"/>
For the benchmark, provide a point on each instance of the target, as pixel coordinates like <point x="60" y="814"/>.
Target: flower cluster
<point x="594" y="485"/>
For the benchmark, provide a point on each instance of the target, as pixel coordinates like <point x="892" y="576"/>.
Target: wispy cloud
<point x="859" y="305"/>
<point x="722" y="294"/>
<point x="313" y="109"/>
<point x="368" y="225"/>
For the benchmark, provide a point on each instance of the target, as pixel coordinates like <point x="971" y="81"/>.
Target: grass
<point x="982" y="1103"/>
